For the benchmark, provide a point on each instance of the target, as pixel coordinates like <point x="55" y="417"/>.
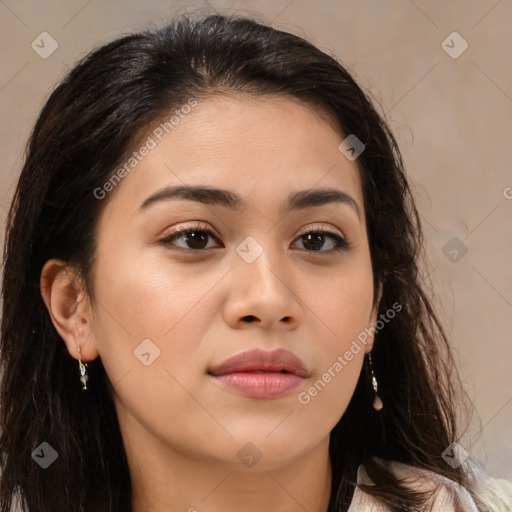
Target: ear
<point x="373" y="320"/>
<point x="69" y="307"/>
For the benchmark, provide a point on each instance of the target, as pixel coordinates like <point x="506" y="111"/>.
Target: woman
<point x="211" y="233"/>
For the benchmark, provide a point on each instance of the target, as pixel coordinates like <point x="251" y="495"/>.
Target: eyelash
<point x="340" y="243"/>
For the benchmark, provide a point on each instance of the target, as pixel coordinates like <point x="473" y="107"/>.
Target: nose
<point x="261" y="294"/>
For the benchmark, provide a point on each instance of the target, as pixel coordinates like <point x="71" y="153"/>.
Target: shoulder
<point x="445" y="492"/>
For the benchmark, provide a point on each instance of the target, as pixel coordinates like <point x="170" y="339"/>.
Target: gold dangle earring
<point x="82" y="368"/>
<point x="377" y="401"/>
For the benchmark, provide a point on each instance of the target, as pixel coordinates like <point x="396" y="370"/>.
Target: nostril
<point x="249" y="318"/>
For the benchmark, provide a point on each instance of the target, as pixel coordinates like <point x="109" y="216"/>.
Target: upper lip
<point x="253" y="360"/>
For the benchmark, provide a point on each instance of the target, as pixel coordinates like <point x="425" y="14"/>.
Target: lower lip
<point x="262" y="384"/>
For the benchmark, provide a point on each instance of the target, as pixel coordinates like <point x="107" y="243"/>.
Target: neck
<point x="165" y="479"/>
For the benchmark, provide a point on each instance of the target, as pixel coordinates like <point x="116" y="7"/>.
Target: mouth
<point x="261" y="374"/>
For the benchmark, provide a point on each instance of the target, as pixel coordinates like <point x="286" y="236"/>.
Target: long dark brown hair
<point x="88" y="126"/>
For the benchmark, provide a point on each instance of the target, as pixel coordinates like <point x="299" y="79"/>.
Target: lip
<point x="261" y="374"/>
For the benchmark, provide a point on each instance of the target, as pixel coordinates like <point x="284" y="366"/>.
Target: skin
<point x="182" y="430"/>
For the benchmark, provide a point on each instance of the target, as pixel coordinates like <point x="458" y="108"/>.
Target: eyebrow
<point x="215" y="196"/>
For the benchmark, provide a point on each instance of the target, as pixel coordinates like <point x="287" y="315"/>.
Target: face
<point x="255" y="272"/>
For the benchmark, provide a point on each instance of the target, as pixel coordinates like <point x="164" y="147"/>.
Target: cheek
<point x="149" y="322"/>
<point x="141" y="300"/>
<point x="343" y="309"/>
<point x="339" y="353"/>
<point x="343" y="303"/>
<point x="150" y="296"/>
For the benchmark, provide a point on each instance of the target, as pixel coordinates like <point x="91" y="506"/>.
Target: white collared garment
<point x="417" y="479"/>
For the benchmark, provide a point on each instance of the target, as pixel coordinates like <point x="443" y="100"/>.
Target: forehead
<point x="262" y="147"/>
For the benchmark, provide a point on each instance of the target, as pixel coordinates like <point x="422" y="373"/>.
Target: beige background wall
<point x="452" y="118"/>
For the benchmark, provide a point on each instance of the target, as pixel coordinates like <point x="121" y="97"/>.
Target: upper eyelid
<point x="319" y="227"/>
<point x="194" y="226"/>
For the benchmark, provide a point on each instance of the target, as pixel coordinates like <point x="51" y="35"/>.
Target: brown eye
<point x="314" y="241"/>
<point x="195" y="238"/>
